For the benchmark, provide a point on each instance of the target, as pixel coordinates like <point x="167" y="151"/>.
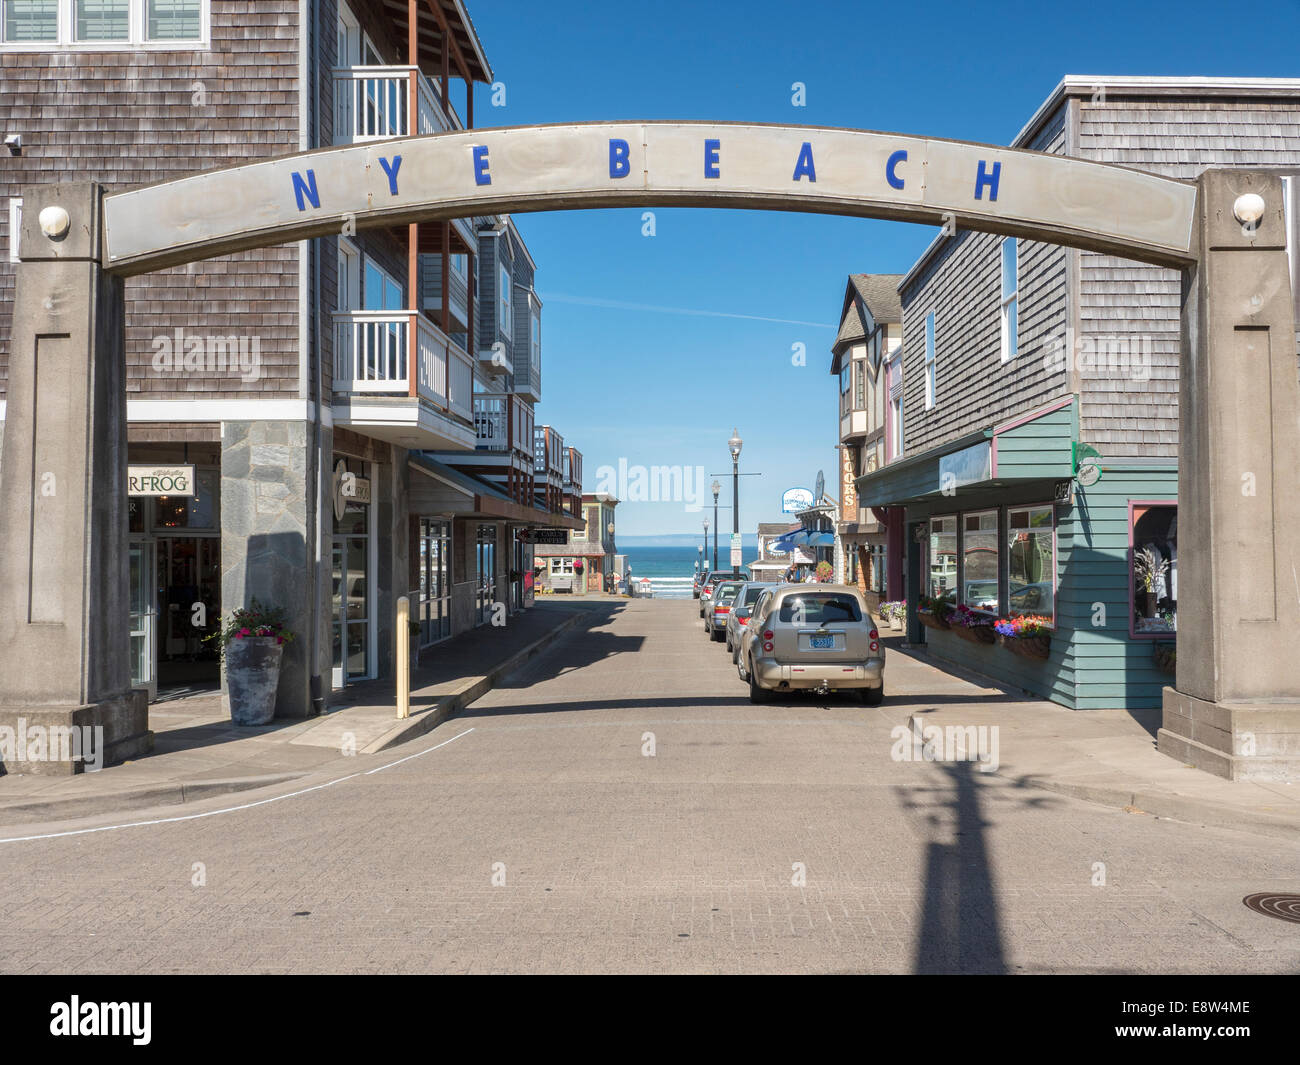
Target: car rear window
<point x="820" y="608"/>
<point x="752" y="595"/>
<point x="727" y="592"/>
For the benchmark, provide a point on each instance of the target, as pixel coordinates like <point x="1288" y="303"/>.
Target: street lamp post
<point x="734" y="445"/>
<point x="610" y="529"/>
<point x="704" y="550"/>
<point x="716" y="489"/>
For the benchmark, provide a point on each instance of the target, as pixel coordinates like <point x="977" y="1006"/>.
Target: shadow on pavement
<point x="960" y="926"/>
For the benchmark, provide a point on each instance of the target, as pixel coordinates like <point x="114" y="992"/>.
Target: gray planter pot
<point x="252" y="675"/>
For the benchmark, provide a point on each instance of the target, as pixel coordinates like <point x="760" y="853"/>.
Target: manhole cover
<point x="1283" y="907"/>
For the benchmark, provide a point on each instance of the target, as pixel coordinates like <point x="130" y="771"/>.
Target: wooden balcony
<point x="398" y="376"/>
<point x="548" y="468"/>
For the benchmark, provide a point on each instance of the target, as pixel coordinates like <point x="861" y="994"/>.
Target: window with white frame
<point x="44" y="25"/>
<point x="15" y="220"/>
<point x="1031" y="561"/>
<point x="562" y="566"/>
<point x="929" y="361"/>
<point x="504" y="318"/>
<point x="1010" y="282"/>
<point x="535" y="341"/>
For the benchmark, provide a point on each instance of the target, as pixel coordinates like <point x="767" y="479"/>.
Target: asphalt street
<point x="620" y="806"/>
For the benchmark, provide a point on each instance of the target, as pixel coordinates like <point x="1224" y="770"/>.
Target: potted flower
<point x="824" y="571"/>
<point x="932" y="612"/>
<point x="252" y="641"/>
<point x="1029" y="635"/>
<point x="1165" y="657"/>
<point x="972" y="626"/>
<point x="1149" y="567"/>
<point x="577" y="565"/>
<point x="897" y="615"/>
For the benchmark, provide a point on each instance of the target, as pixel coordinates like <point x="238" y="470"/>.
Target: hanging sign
<point x="160" y="480"/>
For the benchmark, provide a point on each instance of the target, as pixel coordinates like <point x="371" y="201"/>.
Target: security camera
<point x="14" y="142"/>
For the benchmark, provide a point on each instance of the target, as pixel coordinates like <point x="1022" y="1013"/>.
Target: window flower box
<point x="971" y="626"/>
<point x="1165" y="657"/>
<point x="1028" y="635"/>
<point x="933" y="613"/>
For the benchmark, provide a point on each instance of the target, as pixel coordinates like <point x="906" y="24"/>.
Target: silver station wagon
<point x="812" y="637"/>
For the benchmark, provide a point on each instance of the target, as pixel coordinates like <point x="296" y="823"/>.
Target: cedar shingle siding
<point x="1132" y="307"/>
<point x="962" y="284"/>
<point x="129" y="118"/>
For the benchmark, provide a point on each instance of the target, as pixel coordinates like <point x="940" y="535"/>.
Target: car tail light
<point x="724" y="610"/>
<point x="768" y="635"/>
<point x="875" y="635"/>
<point x="767" y="645"/>
<point x="875" y="646"/>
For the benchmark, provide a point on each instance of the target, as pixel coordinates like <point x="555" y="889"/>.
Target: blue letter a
<point x="804" y="165"/>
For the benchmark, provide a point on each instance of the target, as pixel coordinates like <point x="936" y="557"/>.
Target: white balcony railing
<point x="492" y="431"/>
<point x="372" y="355"/>
<point x="373" y="103"/>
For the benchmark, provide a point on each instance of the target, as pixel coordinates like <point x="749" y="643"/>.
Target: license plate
<point x="822" y="643"/>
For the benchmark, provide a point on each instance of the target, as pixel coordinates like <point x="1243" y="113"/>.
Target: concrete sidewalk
<point x="1101" y="756"/>
<point x="198" y="753"/>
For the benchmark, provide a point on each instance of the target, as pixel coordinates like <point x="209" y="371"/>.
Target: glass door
<point x="350" y="609"/>
<point x="143" y="617"/>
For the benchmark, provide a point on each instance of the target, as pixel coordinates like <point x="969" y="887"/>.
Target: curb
<point x="1165" y="804"/>
<point x="450" y="705"/>
<point x="1173" y="807"/>
<point x="149" y="795"/>
<point x="179" y="792"/>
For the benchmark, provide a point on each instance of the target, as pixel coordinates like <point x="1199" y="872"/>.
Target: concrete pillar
<point x="1236" y="708"/>
<point x="64" y="643"/>
<point x="265" y="551"/>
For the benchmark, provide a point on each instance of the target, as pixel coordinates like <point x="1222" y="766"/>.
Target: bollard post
<point x="402" y="638"/>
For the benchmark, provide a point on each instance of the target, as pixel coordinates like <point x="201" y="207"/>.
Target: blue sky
<point x="655" y="347"/>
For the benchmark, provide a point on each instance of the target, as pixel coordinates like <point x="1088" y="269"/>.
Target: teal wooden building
<point x="1038" y="472"/>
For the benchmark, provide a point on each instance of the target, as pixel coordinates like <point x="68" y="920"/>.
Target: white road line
<point x="232" y="809"/>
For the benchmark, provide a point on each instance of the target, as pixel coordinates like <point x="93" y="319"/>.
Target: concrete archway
<point x="62" y="482"/>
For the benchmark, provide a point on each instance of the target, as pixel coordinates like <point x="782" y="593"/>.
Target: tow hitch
<point x="823" y="689"/>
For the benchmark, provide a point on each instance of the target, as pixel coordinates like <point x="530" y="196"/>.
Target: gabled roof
<point x="869" y="300"/>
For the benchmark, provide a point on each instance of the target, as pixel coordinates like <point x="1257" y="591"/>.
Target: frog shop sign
<point x="160" y="480"/>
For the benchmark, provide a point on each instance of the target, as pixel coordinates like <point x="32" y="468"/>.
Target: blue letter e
<point x="481" y="175"/>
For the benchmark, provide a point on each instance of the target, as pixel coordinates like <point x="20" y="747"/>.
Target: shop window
<point x="562" y="566"/>
<point x="942" y="580"/>
<point x="1031" y="561"/>
<point x="199" y="511"/>
<point x="979" y="555"/>
<point x="1153" y="591"/>
<point x="435" y="581"/>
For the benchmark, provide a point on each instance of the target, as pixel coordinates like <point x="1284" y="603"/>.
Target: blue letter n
<point x="307" y="188"/>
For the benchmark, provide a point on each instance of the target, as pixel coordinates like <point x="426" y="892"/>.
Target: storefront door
<point x="144" y="617"/>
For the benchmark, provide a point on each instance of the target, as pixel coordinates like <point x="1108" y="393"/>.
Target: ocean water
<point x="672" y="569"/>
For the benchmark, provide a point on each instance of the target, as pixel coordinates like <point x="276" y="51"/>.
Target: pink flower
<point x="243" y="633"/>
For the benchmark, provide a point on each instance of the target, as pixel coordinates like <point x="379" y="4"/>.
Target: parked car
<point x="715" y="618"/>
<point x="698" y="584"/>
<point x="812" y="638"/>
<point x="713" y="580"/>
<point x="741" y="609"/>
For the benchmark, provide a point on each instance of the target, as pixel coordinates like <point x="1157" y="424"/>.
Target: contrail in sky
<point x="621" y="305"/>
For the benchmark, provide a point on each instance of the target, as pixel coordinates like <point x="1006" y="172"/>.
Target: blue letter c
<point x="894" y="180"/>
